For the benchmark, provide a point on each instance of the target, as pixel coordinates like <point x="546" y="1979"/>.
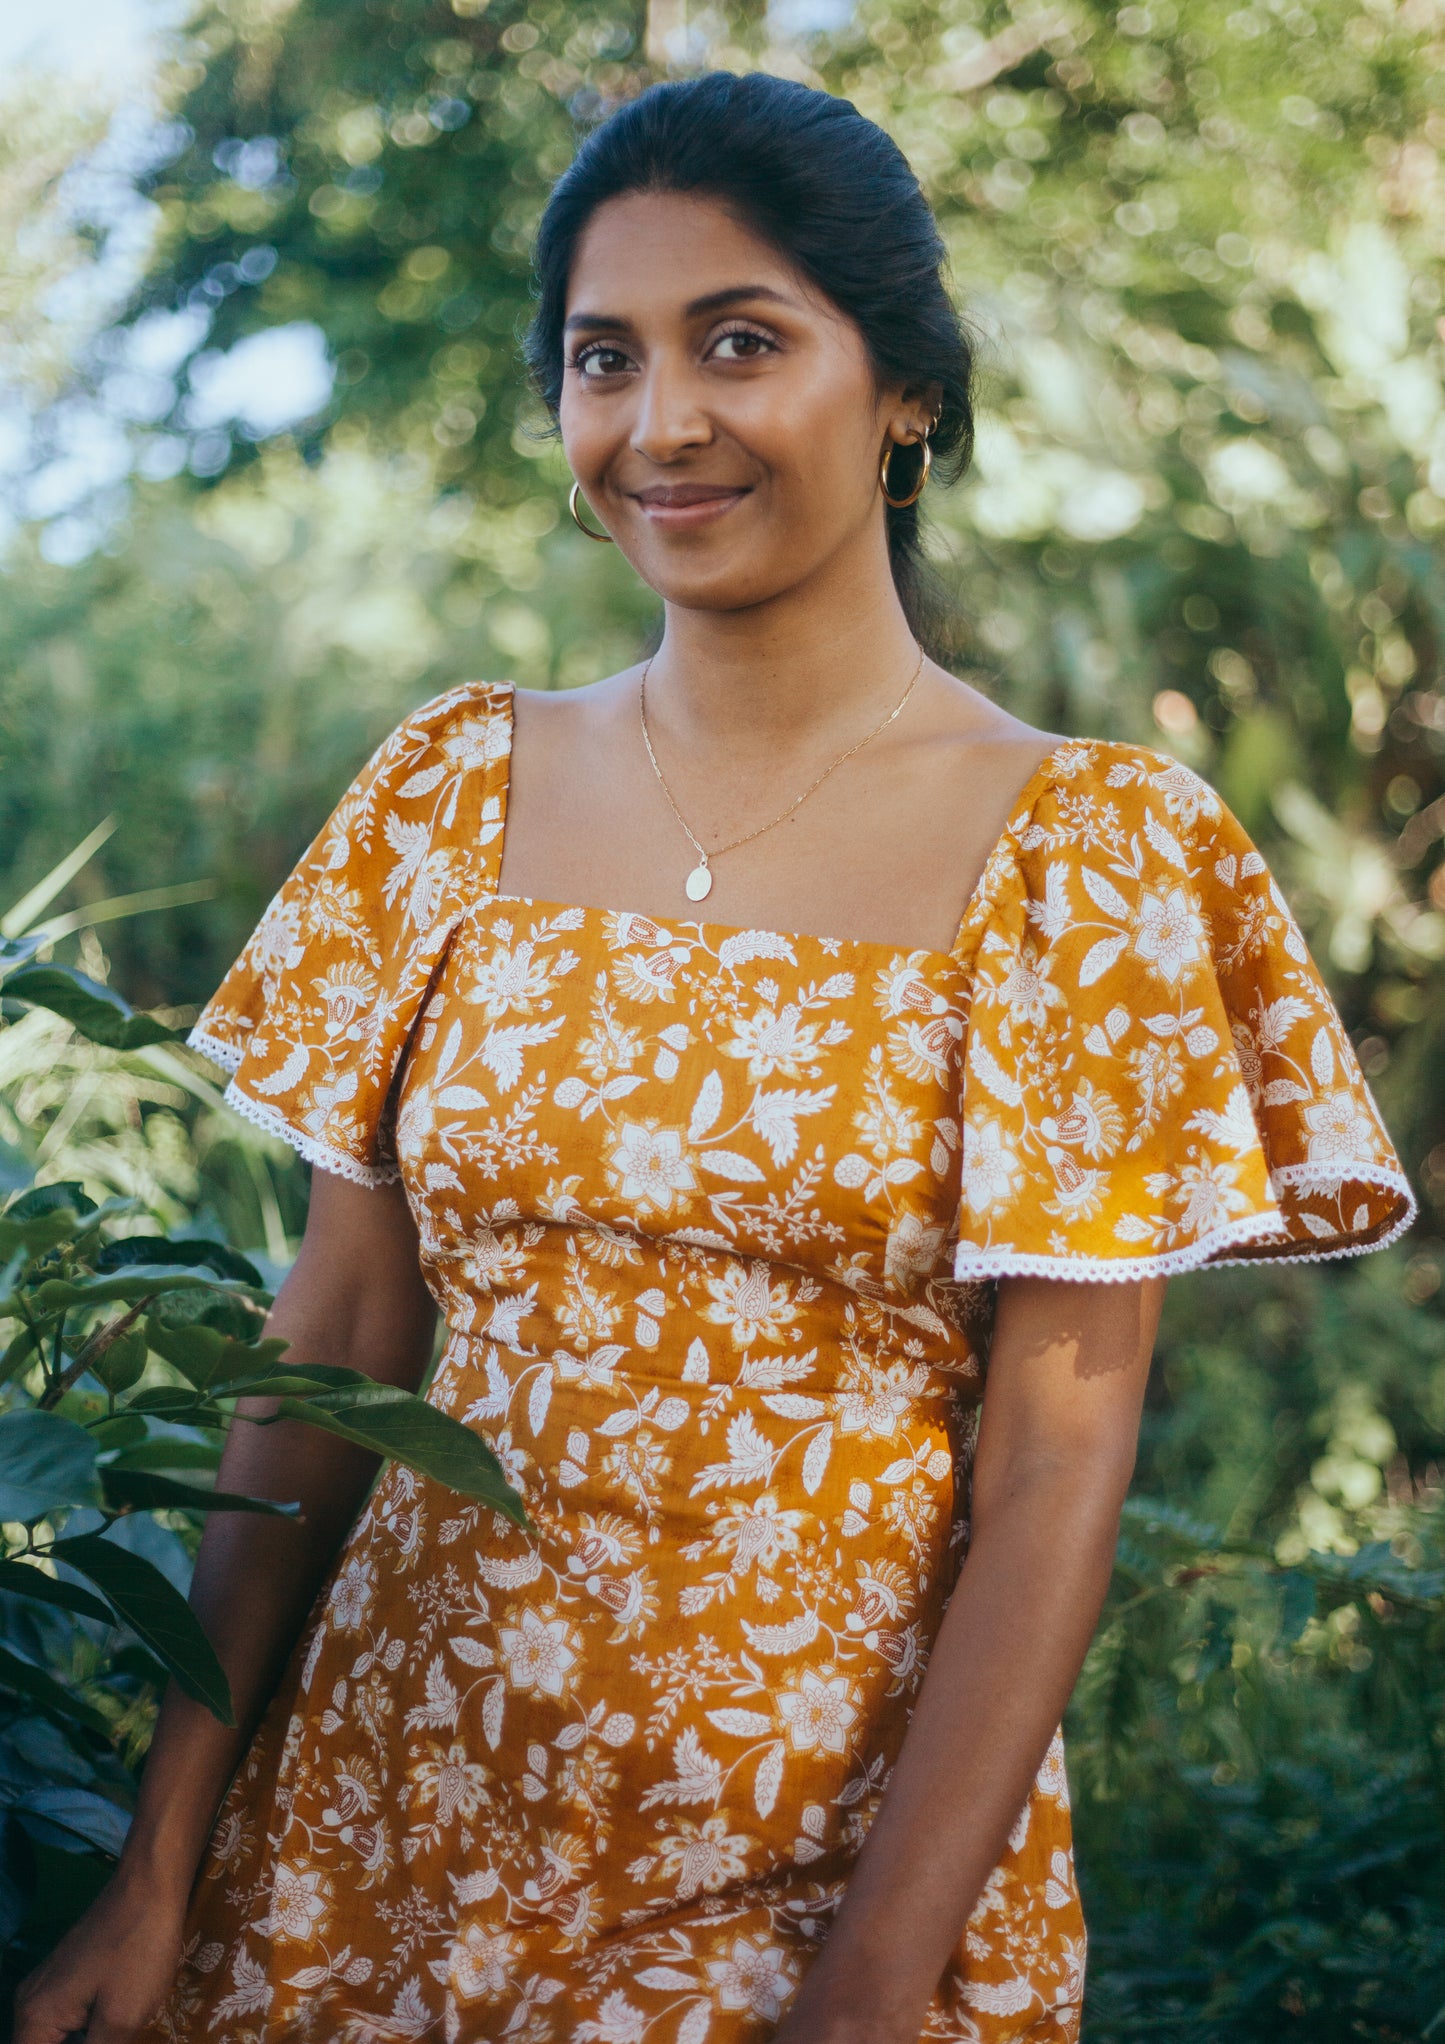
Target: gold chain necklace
<point x="699" y="881"/>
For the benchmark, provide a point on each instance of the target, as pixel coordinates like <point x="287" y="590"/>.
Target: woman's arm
<point x="354" y="1297"/>
<point x="1056" y="1448"/>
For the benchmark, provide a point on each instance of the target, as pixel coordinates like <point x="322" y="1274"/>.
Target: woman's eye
<point x="585" y="358"/>
<point x="600" y="358"/>
<point x="756" y="343"/>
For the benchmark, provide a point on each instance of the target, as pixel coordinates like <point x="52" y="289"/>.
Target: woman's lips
<point x="696" y="509"/>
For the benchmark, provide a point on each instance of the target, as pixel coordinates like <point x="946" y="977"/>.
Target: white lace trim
<point x="225" y="1055"/>
<point x="320" y="1154"/>
<point x="1255" y="1230"/>
<point x="1313" y="1178"/>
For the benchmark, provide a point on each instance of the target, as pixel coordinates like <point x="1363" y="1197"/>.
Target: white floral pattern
<point x="1155" y="1075"/>
<point x="709" y="1214"/>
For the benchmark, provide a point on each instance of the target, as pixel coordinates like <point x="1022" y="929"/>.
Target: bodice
<point x="604" y="1118"/>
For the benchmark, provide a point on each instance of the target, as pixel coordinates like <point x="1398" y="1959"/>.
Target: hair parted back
<point x="835" y="195"/>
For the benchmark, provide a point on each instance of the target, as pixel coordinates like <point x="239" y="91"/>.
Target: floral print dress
<point x="713" y="1217"/>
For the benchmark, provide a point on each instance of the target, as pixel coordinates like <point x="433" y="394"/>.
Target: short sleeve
<point x="313" y="1019"/>
<point x="1155" y="1075"/>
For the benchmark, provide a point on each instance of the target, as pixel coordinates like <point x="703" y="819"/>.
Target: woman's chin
<point x="707" y="573"/>
<point x="728" y="588"/>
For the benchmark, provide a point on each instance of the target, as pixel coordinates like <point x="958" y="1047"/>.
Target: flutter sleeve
<point x="1155" y="1076"/>
<point x="313" y="1019"/>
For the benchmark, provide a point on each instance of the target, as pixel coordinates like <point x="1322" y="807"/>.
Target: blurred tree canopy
<point x="1202" y="248"/>
<point x="1203" y="253"/>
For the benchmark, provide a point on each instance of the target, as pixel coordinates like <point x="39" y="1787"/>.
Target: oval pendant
<point x="699" y="883"/>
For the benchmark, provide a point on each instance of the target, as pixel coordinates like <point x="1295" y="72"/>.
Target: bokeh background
<point x="269" y="476"/>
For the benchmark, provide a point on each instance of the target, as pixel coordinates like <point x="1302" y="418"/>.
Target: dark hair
<point x="829" y="190"/>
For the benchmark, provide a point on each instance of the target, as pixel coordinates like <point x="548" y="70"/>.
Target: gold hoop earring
<point x="899" y="503"/>
<point x="604" y="537"/>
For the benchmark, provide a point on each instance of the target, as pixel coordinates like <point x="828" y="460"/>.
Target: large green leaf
<point x="227" y="1368"/>
<point x="26" y="1581"/>
<point x="25" y="1236"/>
<point x="24" y="1677"/>
<point x="144" y="1281"/>
<point x="157" y="1612"/>
<point x="165" y="1452"/>
<point x="305" y="1381"/>
<point x="120" y="1362"/>
<point x="163" y="1252"/>
<point x="260" y="1378"/>
<point x="52" y="1217"/>
<point x="73" y="1819"/>
<point x="413" y="1432"/>
<point x="18" y="1353"/>
<point x="46" y="1463"/>
<point x="142" y="1490"/>
<point x="50" y="1199"/>
<point x="125" y="1430"/>
<point x="96" y="1011"/>
<point x="175" y="1403"/>
<point x="204" y="1353"/>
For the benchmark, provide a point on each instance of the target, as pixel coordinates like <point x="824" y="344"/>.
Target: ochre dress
<point x="713" y="1217"/>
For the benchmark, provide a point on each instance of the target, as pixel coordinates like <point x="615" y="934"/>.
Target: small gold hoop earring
<point x="899" y="503"/>
<point x="604" y="537"/>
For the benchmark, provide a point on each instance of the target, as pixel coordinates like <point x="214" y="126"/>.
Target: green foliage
<point x="124" y="1358"/>
<point x="97" y="1011"/>
<point x="401" y="198"/>
<point x="1256" y="1742"/>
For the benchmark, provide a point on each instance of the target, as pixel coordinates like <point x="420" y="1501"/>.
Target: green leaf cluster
<point x="124" y="1359"/>
<point x="1255" y="1745"/>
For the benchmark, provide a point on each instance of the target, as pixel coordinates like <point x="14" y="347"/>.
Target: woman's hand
<point x="111" y="1971"/>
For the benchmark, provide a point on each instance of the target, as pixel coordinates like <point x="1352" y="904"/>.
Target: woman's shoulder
<point x="409" y="839"/>
<point x="1111" y="825"/>
<point x="1122" y="800"/>
<point x="436" y="774"/>
<point x="1061" y="781"/>
<point x="468" y="724"/>
<point x="1129" y="776"/>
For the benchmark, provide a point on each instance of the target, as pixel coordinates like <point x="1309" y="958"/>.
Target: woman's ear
<point x="915" y="412"/>
<point x="930" y="396"/>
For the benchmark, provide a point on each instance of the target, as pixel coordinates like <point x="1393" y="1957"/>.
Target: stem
<point x="96" y="1346"/>
<point x="105" y="1337"/>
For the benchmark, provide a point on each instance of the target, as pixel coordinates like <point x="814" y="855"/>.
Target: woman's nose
<point x="670" y="417"/>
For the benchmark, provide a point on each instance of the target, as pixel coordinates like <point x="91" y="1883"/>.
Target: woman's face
<point x="720" y="414"/>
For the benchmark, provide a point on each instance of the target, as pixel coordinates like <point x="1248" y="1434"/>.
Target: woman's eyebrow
<point x="713" y="301"/>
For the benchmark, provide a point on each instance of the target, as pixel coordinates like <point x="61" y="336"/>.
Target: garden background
<point x="269" y="476"/>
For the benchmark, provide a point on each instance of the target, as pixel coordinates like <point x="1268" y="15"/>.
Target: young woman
<point x="793" y="1080"/>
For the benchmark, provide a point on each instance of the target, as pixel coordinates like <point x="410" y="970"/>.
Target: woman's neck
<point x="785" y="676"/>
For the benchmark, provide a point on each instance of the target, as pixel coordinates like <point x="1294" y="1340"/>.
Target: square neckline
<point x="1026" y="791"/>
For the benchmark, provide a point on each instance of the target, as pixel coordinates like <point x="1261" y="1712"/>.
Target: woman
<point x="986" y="1034"/>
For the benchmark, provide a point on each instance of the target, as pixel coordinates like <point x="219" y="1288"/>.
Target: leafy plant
<point x="1257" y="1744"/>
<point x="122" y="1358"/>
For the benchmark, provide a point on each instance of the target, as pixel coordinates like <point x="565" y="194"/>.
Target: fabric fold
<point x="313" y="1019"/>
<point x="1156" y="1076"/>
